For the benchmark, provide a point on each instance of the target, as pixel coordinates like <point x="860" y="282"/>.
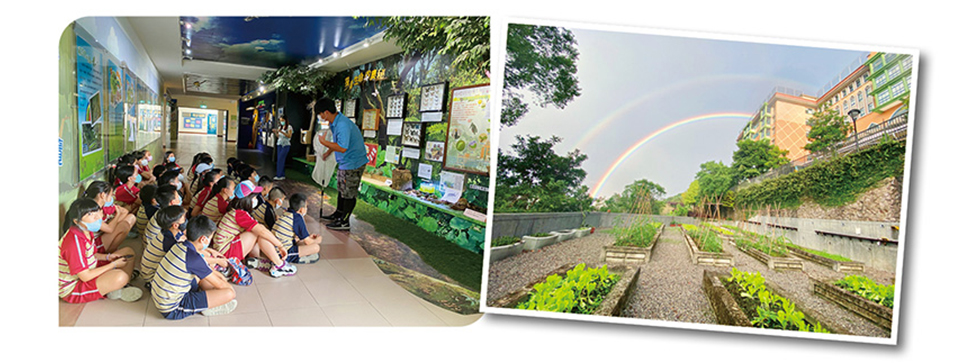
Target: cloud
<point x="257" y="51"/>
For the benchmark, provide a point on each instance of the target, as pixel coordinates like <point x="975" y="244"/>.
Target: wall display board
<point x="410" y="153"/>
<point x="412" y="134"/>
<point x="432" y="97"/>
<point x="395" y="126"/>
<point x="435" y="151"/>
<point x="130" y="109"/>
<point x="468" y="137"/>
<point x="396" y="106"/>
<point x="372" y="154"/>
<point x="392" y="154"/>
<point x="369" y="119"/>
<point x="89" y="68"/>
<point x="350" y="108"/>
<point x="115" y="112"/>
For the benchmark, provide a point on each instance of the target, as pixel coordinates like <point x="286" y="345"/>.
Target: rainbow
<point x="629" y="152"/>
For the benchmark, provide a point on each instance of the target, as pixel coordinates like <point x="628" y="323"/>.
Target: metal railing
<point x="857" y="62"/>
<point x="896" y="128"/>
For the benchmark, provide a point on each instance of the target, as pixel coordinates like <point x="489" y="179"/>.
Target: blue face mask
<point x="172" y="159"/>
<point x="256" y="179"/>
<point x="94" y="226"/>
<point x="180" y="200"/>
<point x="109" y="202"/>
<point x="139" y="178"/>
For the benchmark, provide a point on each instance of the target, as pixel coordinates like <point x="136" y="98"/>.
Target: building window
<point x="860" y="97"/>
<point x="883" y="97"/>
<point x="894" y="71"/>
<point x="881" y="79"/>
<point x="907" y="63"/>
<point x="877" y="65"/>
<point x="852" y="102"/>
<point x="889" y="57"/>
<point x="898" y="88"/>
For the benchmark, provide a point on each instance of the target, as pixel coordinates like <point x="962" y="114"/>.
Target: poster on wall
<point x="212" y="124"/>
<point x="425" y="171"/>
<point x="392" y="154"/>
<point x="395" y="126"/>
<point x="90" y="119"/>
<point x="115" y="112"/>
<point x="435" y="150"/>
<point x="369" y="119"/>
<point x="350" y="108"/>
<point x="468" y="131"/>
<point x="410" y="153"/>
<point x="372" y="154"/>
<point x="130" y="107"/>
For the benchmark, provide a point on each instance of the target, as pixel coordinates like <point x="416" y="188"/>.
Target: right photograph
<point x="699" y="181"/>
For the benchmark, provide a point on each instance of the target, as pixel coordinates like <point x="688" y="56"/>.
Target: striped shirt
<point x="142" y="216"/>
<point x="77" y="254"/>
<point x="289" y="228"/>
<point x="265" y="214"/>
<point x="177" y="270"/>
<point x="152" y="231"/>
<point x="202" y="196"/>
<point x="215" y="208"/>
<point x="231" y="225"/>
<point x="154" y="251"/>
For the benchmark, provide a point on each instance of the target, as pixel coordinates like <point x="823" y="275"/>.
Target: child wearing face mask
<point x="171" y="220"/>
<point x="265" y="213"/>
<point x="183" y="186"/>
<point x="204" y="190"/>
<point x="127" y="193"/>
<point x="185" y="284"/>
<point x="290" y="230"/>
<point x="165" y="196"/>
<point x="218" y="200"/>
<point x="83" y="273"/>
<point x="117" y="223"/>
<point x="284" y="134"/>
<point x="204" y="164"/>
<point x="143" y="159"/>
<point x="239" y="234"/>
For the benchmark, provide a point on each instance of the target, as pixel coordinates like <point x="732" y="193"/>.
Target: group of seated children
<point x="189" y="232"/>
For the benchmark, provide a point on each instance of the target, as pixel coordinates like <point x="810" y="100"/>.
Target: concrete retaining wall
<point x="522" y="224"/>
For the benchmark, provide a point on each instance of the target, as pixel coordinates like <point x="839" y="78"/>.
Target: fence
<point x="895" y="127"/>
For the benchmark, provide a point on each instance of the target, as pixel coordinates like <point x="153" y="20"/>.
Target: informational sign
<point x="475" y="215"/>
<point x="372" y="154"/>
<point x="394" y="126"/>
<point x="392" y="153"/>
<point x="452" y="181"/>
<point x="431" y="117"/>
<point x="425" y="171"/>
<point x="468" y="132"/>
<point x="410" y="153"/>
<point x="115" y="112"/>
<point x="90" y="105"/>
<point x="370" y="134"/>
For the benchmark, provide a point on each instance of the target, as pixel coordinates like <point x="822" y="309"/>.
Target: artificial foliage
<point x="764" y="308"/>
<point x="581" y="291"/>
<point x="831" y="183"/>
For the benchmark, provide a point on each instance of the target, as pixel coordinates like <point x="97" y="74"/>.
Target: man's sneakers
<point x="221" y="309"/>
<point x="309" y="259"/>
<point x="339" y="225"/>
<point x="279" y="178"/>
<point x="127" y="294"/>
<point x="285" y="270"/>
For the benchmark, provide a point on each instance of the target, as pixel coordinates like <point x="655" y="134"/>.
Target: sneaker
<point x="332" y="217"/>
<point x="339" y="225"/>
<point x="132" y="234"/>
<point x="279" y="178"/>
<point x="221" y="309"/>
<point x="127" y="294"/>
<point x="260" y="264"/>
<point x="285" y="270"/>
<point x="309" y="259"/>
<point x="135" y="275"/>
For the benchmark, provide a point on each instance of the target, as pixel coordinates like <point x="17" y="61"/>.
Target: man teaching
<point x="351" y="154"/>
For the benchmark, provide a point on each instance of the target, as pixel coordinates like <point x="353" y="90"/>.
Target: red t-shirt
<point x="202" y="196"/>
<point x="126" y="194"/>
<point x="108" y="213"/>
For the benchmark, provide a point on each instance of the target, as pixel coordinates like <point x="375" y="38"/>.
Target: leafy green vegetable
<point x="580" y="292"/>
<point x="504" y="241"/>
<point x="868" y="289"/>
<point x="771" y="311"/>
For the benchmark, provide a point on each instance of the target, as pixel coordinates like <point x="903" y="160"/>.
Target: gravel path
<point x="515" y="272"/>
<point x="669" y="287"/>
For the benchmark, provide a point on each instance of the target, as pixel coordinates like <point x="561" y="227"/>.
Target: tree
<point x="714" y="179"/>
<point x="540" y="59"/>
<point x="827" y="128"/>
<point x="536" y="179"/>
<point x="753" y="158"/>
<point x="466" y="37"/>
<point x="691" y="195"/>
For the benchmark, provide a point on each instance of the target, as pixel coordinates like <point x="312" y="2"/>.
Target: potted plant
<point x="503" y="247"/>
<point x="538" y="241"/>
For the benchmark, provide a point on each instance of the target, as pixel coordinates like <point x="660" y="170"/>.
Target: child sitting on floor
<point x="117" y="223"/>
<point x="265" y="213"/>
<point x="291" y="230"/>
<point x="217" y="204"/>
<point x="83" y="273"/>
<point x="166" y="196"/>
<point x="185" y="284"/>
<point x="239" y="234"/>
<point x="127" y="193"/>
<point x="147" y="210"/>
<point x="203" y="191"/>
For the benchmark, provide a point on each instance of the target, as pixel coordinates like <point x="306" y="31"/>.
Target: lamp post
<point x="854" y="113"/>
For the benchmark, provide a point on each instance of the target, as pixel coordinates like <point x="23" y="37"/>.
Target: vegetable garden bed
<point x="535" y="242"/>
<point x="744" y="299"/>
<point x="504" y="247"/>
<point x="787" y="263"/>
<point x="877" y="313"/>
<point x="839" y="266"/>
<point x="612" y="303"/>
<point x="564" y="235"/>
<point x="770" y="251"/>
<point x="631" y="254"/>
<point x="699" y="257"/>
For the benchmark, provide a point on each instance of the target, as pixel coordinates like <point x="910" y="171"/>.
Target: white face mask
<point x="255" y="203"/>
<point x="179" y="185"/>
<point x="279" y="204"/>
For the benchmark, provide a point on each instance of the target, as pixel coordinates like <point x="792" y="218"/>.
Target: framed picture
<point x="396" y="106"/>
<point x="435" y="151"/>
<point x="350" y="108"/>
<point x="369" y="119"/>
<point x="372" y="154"/>
<point x="468" y="130"/>
<point x="338" y="104"/>
<point x="432" y="97"/>
<point x="412" y="134"/>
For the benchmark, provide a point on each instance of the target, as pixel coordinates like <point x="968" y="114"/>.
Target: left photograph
<point x="273" y="171"/>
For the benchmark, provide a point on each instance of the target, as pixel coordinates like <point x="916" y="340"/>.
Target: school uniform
<point x="265" y="214"/>
<point x="77" y="254"/>
<point x="174" y="289"/>
<point x="290" y="227"/>
<point x="152" y="231"/>
<point x="127" y="195"/>
<point x="215" y="208"/>
<point x="202" y="197"/>
<point x="227" y="240"/>
<point x="154" y="251"/>
<point x="143" y="216"/>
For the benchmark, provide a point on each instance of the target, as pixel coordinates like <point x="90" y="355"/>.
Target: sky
<point x="633" y="85"/>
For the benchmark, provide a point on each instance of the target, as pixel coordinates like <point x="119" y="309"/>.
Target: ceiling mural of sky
<point x="270" y="42"/>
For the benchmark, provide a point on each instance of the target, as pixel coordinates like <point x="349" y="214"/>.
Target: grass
<point x="446" y="257"/>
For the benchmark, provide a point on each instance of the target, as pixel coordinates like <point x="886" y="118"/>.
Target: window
<point x="860" y="97"/>
<point x="889" y="57"/>
<point x="898" y="88"/>
<point x="852" y="102"/>
<point x="907" y="63"/>
<point x="894" y="71"/>
<point x="877" y="65"/>
<point x="883" y="97"/>
<point x="881" y="79"/>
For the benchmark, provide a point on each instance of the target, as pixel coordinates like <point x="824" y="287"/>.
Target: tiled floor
<point x="345" y="288"/>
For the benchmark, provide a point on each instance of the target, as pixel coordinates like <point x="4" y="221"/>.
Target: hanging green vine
<point x="298" y="79"/>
